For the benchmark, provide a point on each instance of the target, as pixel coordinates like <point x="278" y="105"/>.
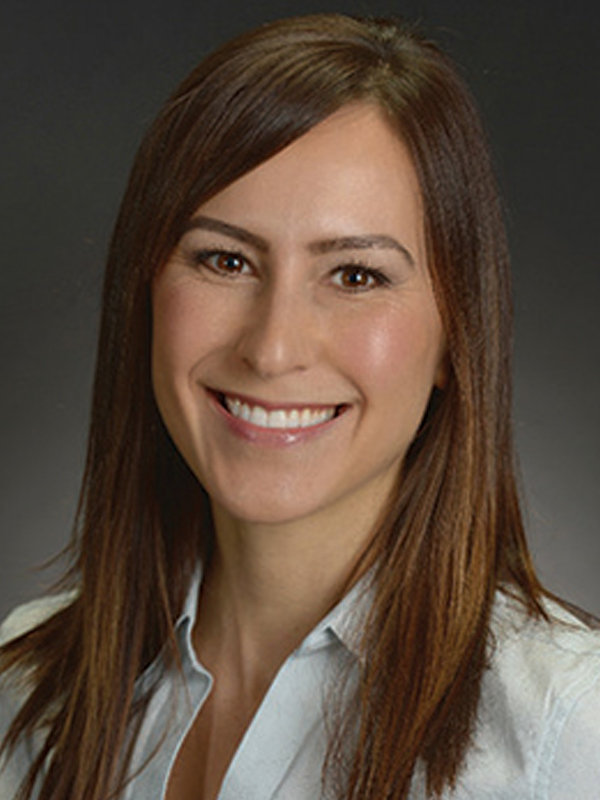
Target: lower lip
<point x="270" y="437"/>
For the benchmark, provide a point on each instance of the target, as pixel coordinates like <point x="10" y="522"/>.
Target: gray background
<point x="79" y="82"/>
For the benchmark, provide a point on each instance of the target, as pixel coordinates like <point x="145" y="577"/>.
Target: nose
<point x="279" y="333"/>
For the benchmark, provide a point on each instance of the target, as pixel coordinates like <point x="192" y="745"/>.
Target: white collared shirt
<point x="538" y="734"/>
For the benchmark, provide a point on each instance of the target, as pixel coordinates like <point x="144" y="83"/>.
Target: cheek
<point x="170" y="333"/>
<point x="182" y="330"/>
<point x="393" y="351"/>
<point x="178" y="331"/>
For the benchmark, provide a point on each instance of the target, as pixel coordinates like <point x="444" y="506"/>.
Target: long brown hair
<point x="453" y="532"/>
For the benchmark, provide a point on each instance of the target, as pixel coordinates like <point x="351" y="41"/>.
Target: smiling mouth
<point x="278" y="418"/>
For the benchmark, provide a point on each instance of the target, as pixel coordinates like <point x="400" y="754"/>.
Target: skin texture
<point x="317" y="295"/>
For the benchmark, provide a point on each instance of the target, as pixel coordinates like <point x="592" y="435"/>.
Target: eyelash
<point x="378" y="278"/>
<point x="375" y="276"/>
<point x="202" y="258"/>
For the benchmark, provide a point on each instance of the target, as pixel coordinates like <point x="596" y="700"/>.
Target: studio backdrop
<point x="79" y="83"/>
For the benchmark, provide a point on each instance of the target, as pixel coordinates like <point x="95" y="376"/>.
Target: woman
<point x="300" y="567"/>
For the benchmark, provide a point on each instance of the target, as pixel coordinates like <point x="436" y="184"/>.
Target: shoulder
<point x="533" y="658"/>
<point x="14" y="687"/>
<point x="539" y="722"/>
<point x="26" y="617"/>
<point x="20" y="621"/>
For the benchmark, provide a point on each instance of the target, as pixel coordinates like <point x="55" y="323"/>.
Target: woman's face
<point x="296" y="339"/>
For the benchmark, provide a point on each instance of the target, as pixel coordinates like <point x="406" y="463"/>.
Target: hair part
<point x="453" y="532"/>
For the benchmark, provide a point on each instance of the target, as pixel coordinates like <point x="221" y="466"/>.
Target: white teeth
<point x="259" y="416"/>
<point x="305" y="418"/>
<point x="234" y="406"/>
<point x="279" y="418"/>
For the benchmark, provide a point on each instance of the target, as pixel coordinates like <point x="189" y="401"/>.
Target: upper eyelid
<point x="376" y="271"/>
<point x="200" y="257"/>
<point x="199" y="239"/>
<point x="336" y="244"/>
<point x="206" y="252"/>
<point x="360" y="255"/>
<point x="380" y="278"/>
<point x="221" y="251"/>
<point x="237" y="249"/>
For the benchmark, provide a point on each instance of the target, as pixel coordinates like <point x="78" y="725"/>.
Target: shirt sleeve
<point x="574" y="770"/>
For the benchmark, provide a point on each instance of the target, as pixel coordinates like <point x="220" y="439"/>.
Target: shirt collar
<point x="186" y="622"/>
<point x="344" y="623"/>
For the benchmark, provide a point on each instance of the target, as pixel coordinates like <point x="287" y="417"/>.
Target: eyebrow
<point x="335" y="244"/>
<point x="373" y="241"/>
<point x="233" y="231"/>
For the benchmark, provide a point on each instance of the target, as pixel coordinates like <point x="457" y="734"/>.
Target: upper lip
<point x="269" y="405"/>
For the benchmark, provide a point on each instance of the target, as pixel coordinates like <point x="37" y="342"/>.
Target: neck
<point x="268" y="585"/>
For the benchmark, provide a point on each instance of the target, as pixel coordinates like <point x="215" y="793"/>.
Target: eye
<point x="223" y="262"/>
<point x="358" y="278"/>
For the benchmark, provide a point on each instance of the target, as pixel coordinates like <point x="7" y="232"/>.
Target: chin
<point x="276" y="507"/>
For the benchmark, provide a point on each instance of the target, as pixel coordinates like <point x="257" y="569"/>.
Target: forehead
<point x="350" y="174"/>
